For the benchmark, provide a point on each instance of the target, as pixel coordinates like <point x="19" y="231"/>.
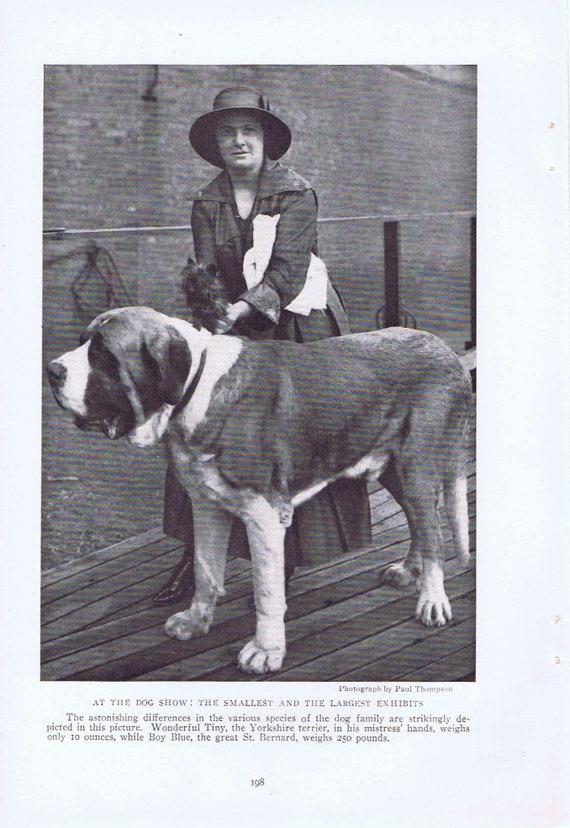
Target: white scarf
<point x="313" y="296"/>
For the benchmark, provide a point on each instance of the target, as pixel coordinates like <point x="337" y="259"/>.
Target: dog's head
<point x="128" y="372"/>
<point x="205" y="295"/>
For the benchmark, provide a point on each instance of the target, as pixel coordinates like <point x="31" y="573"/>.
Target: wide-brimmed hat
<point x="277" y="135"/>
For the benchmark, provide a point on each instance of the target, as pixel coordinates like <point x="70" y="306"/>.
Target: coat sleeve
<point x="285" y="275"/>
<point x="204" y="234"/>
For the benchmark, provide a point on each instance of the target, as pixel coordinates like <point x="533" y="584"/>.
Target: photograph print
<point x="258" y="403"/>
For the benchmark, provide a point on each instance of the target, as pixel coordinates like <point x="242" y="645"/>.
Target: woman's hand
<point x="239" y="310"/>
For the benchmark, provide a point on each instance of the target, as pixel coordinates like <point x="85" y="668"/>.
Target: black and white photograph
<point x="272" y="272"/>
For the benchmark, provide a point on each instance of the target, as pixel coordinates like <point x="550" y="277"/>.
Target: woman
<point x="287" y="297"/>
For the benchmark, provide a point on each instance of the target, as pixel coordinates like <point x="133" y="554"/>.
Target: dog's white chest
<point x="222" y="353"/>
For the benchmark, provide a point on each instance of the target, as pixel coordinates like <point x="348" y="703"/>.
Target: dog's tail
<point x="455" y="500"/>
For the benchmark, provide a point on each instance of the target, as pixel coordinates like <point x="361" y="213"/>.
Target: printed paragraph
<point x="346" y="721"/>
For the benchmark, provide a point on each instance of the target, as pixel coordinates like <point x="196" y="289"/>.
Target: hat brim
<point x="276" y="134"/>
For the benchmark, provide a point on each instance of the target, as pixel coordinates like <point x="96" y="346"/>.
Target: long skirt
<point x="332" y="522"/>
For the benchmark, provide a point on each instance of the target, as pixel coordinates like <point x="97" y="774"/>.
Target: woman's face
<point x="240" y="141"/>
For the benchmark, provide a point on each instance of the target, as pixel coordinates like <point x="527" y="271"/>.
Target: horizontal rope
<point x="59" y="232"/>
<point x="406" y="216"/>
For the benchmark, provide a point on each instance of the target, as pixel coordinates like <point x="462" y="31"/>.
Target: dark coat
<point x="222" y="238"/>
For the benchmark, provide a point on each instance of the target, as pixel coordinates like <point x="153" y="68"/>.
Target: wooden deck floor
<point x="98" y="623"/>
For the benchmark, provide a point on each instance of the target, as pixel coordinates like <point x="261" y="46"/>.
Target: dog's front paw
<point x="255" y="659"/>
<point x="433" y="608"/>
<point x="191" y="623"/>
<point x="397" y="575"/>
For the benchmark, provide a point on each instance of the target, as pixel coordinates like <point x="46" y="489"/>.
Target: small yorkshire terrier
<point x="205" y="295"/>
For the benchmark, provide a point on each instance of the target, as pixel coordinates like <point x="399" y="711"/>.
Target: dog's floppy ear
<point x="154" y="360"/>
<point x="169" y="351"/>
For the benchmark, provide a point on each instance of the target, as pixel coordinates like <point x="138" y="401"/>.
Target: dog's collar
<point x="187" y="396"/>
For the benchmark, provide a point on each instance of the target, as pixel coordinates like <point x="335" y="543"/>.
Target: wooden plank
<point x="80" y="647"/>
<point x="460" y="666"/>
<point x="164" y="550"/>
<point x="363" y="636"/>
<point x="90" y="594"/>
<point x="127" y="600"/>
<point x="121" y="604"/>
<point x="50" y="576"/>
<point x="345" y="661"/>
<point x="144" y="587"/>
<point x="87" y="646"/>
<point x="417" y="654"/>
<point x="115" y="628"/>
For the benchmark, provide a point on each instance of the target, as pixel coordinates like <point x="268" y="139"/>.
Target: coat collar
<point x="274" y="179"/>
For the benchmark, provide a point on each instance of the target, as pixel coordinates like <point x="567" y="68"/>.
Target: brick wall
<point x="371" y="139"/>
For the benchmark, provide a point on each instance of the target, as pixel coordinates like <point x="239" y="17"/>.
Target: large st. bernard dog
<point x="253" y="429"/>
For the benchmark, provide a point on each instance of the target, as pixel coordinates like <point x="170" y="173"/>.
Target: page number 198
<point x="258" y="783"/>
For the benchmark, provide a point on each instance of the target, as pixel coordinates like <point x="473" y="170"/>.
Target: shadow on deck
<point x="98" y="623"/>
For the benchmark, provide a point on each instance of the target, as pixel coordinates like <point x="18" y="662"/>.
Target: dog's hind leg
<point x="266" y="535"/>
<point x="212" y="527"/>
<point x="433" y="607"/>
<point x="421" y="495"/>
<point x="417" y="493"/>
<point x="407" y="572"/>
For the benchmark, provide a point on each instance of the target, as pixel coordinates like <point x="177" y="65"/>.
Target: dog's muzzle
<point x="113" y="425"/>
